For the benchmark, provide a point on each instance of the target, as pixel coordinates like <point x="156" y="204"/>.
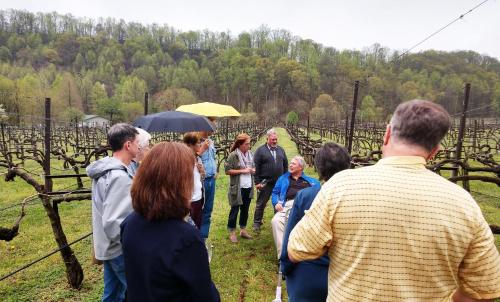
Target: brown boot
<point x="232" y="237"/>
<point x="244" y="234"/>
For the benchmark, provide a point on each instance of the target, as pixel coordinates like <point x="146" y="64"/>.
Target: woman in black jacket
<point x="165" y="257"/>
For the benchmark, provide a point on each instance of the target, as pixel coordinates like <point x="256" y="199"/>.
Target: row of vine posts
<point x="364" y="144"/>
<point x="75" y="145"/>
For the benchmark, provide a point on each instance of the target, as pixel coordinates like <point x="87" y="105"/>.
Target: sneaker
<point x="256" y="229"/>
<point x="244" y="234"/>
<point x="232" y="237"/>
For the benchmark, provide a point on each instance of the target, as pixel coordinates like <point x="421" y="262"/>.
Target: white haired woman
<point x="143" y="143"/>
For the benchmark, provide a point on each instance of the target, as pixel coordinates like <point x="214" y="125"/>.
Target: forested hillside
<point x="104" y="66"/>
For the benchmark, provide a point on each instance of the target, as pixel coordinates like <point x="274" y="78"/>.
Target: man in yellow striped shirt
<point x="396" y="231"/>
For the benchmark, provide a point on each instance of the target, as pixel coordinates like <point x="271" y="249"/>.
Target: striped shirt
<point x="397" y="231"/>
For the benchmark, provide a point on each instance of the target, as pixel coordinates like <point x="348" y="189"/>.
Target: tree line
<point x="103" y="66"/>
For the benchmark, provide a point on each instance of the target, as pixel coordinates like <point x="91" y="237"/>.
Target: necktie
<point x="273" y="153"/>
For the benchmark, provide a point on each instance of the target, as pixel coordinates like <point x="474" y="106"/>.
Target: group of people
<point x="394" y="231"/>
<point x="136" y="183"/>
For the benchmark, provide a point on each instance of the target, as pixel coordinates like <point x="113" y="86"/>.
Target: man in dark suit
<point x="270" y="163"/>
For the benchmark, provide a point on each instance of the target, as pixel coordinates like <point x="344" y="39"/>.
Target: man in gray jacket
<point x="111" y="204"/>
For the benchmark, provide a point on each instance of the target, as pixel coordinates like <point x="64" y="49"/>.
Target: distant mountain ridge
<point x="104" y="67"/>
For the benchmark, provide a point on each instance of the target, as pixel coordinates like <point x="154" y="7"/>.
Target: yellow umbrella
<point x="209" y="109"/>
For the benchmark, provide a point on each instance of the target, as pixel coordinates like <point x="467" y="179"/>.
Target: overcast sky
<point x="397" y="24"/>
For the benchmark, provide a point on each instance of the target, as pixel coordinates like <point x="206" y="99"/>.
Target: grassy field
<point x="242" y="272"/>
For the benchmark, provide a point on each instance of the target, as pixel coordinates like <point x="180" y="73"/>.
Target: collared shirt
<point x="396" y="231"/>
<point x="133" y="167"/>
<point x="272" y="150"/>
<point x="295" y="186"/>
<point x="209" y="160"/>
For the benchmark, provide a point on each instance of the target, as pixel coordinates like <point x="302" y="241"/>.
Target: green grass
<point x="245" y="270"/>
<point x="242" y="272"/>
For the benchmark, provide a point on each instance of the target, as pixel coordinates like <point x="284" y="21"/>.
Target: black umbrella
<point x="173" y="121"/>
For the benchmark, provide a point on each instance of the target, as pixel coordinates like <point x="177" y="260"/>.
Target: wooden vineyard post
<point x="346" y="129"/>
<point x="146" y="103"/>
<point x="353" y="115"/>
<point x="74" y="271"/>
<point x="461" y="131"/>
<point x="474" y="137"/>
<point x="308" y="121"/>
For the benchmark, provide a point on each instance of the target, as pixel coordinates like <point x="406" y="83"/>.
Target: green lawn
<point x="242" y="272"/>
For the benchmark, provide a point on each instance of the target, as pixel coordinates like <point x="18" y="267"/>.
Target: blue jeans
<point x="115" y="284"/>
<point x="208" y="207"/>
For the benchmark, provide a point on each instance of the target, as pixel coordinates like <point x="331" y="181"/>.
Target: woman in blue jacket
<point x="308" y="280"/>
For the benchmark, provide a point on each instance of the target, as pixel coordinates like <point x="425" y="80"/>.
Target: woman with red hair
<point x="239" y="166"/>
<point x="165" y="257"/>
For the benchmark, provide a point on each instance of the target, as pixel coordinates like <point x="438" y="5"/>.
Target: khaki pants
<point x="278" y="225"/>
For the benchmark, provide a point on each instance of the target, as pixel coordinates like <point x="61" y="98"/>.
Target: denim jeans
<point x="208" y="207"/>
<point x="115" y="284"/>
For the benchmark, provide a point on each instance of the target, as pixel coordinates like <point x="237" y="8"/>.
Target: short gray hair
<point x="300" y="160"/>
<point x="143" y="137"/>
<point x="420" y="122"/>
<point x="271" y="132"/>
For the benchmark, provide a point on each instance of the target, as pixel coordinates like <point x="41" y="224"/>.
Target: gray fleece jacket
<point x="111" y="204"/>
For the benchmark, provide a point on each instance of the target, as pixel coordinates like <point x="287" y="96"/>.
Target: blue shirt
<point x="208" y="158"/>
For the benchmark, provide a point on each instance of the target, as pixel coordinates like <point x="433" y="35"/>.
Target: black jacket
<point x="165" y="261"/>
<point x="265" y="165"/>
